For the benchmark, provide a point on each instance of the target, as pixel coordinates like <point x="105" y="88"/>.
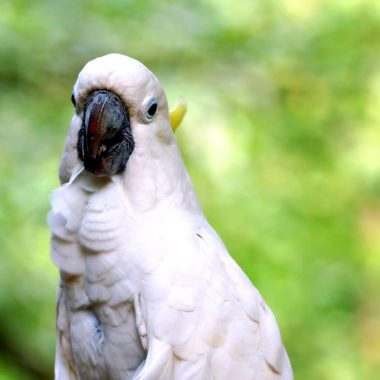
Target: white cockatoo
<point x="147" y="288"/>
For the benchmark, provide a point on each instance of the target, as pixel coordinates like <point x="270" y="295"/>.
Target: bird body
<point x="147" y="288"/>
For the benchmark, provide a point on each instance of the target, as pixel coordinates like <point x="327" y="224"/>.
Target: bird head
<point x="120" y="107"/>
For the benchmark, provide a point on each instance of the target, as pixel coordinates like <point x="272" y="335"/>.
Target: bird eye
<point x="73" y="99"/>
<point x="151" y="109"/>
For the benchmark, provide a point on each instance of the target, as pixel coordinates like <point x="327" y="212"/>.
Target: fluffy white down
<point x="147" y="289"/>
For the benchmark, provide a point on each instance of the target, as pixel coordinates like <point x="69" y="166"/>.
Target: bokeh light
<point x="282" y="141"/>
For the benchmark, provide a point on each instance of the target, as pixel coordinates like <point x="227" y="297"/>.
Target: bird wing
<point x="204" y="319"/>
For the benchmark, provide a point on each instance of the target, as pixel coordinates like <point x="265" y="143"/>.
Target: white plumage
<point x="147" y="289"/>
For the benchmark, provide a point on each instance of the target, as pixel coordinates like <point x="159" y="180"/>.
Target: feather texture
<point x="148" y="290"/>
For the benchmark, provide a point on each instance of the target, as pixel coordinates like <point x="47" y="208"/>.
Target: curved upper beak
<point x="105" y="140"/>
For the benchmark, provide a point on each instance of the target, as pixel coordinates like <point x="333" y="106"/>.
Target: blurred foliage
<point x="282" y="141"/>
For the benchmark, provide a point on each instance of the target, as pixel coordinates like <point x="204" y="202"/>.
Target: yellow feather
<point x="177" y="113"/>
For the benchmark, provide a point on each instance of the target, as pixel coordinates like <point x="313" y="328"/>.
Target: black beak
<point x="105" y="140"/>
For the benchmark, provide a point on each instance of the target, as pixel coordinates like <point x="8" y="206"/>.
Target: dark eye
<point x="151" y="109"/>
<point x="73" y="99"/>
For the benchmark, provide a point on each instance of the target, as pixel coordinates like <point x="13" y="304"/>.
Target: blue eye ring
<point x="151" y="109"/>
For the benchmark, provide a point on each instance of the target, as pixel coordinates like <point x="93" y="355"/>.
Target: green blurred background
<point x="282" y="141"/>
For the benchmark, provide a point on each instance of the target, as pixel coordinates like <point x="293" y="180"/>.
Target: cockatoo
<point x="147" y="288"/>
